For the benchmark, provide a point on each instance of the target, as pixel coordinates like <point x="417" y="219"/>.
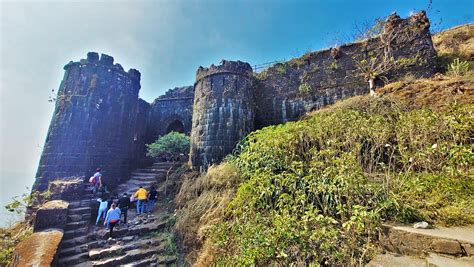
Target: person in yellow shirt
<point x="141" y="196"/>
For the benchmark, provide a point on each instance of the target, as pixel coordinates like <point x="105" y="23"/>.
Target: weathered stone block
<point x="39" y="249"/>
<point x="447" y="246"/>
<point x="53" y="214"/>
<point x="69" y="189"/>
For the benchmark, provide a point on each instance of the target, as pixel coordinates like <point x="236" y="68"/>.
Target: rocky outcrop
<point x="39" y="249"/>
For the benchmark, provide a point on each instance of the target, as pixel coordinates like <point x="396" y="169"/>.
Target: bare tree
<point x="375" y="59"/>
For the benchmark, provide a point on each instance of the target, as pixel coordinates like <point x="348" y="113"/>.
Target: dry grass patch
<point x="437" y="93"/>
<point x="202" y="200"/>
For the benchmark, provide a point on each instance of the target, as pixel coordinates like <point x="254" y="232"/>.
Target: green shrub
<point x="304" y="88"/>
<point x="458" y="67"/>
<point x="169" y="243"/>
<point x="315" y="191"/>
<point x="280" y="68"/>
<point x="263" y="75"/>
<point x="172" y="143"/>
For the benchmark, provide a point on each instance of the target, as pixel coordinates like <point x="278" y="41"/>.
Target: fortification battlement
<point x="178" y="93"/>
<point x="419" y="19"/>
<point x="107" y="62"/>
<point x="226" y="66"/>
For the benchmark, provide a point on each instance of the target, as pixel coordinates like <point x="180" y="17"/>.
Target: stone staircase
<point x="406" y="246"/>
<point x="73" y="248"/>
<point x="144" y="241"/>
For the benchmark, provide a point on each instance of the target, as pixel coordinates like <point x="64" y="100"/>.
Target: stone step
<point x="117" y="249"/>
<point x="143" y="178"/>
<point x="396" y="260"/>
<point x="130" y="256"/>
<point x="432" y="260"/>
<point x="73" y="260"/>
<point x="78" y="217"/>
<point x="88" y="196"/>
<point x="132" y="187"/>
<point x="76" y="225"/>
<point x="87" y="202"/>
<point x="441" y="261"/>
<point x="80" y="211"/>
<point x="163" y="163"/>
<point x="67" y="252"/>
<point x="140" y="229"/>
<point x="74" y="204"/>
<point x="76" y="233"/>
<point x="405" y="240"/>
<point x="72" y="242"/>
<point x="142" y="262"/>
<point x="147" y="171"/>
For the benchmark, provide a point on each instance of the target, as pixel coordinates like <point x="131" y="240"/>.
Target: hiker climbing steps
<point x="143" y="241"/>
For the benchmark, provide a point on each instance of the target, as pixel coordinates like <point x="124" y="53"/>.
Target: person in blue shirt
<point x="102" y="209"/>
<point x="112" y="218"/>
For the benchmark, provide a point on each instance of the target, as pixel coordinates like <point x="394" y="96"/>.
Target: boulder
<point x="52" y="214"/>
<point x="39" y="249"/>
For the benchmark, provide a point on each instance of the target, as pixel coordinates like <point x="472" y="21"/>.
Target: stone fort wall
<point x="286" y="91"/>
<point x="95" y="122"/>
<point x="100" y="121"/>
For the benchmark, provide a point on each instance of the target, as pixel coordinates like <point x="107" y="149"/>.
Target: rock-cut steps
<point x="136" y="246"/>
<point x="146" y="177"/>
<point x="73" y="248"/>
<point x="142" y="242"/>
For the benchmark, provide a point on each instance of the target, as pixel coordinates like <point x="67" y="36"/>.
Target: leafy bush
<point x="263" y="75"/>
<point x="280" y="68"/>
<point x="315" y="191"/>
<point x="304" y="88"/>
<point x="458" y="68"/>
<point x="172" y="143"/>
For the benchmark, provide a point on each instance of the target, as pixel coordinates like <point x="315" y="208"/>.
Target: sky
<point x="166" y="40"/>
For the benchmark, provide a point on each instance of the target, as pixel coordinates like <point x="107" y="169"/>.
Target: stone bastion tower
<point x="95" y="122"/>
<point x="223" y="111"/>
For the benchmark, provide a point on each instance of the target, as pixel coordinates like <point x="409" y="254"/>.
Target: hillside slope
<point x="316" y="191"/>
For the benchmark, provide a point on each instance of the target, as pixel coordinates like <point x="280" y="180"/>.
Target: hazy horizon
<point x="166" y="41"/>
